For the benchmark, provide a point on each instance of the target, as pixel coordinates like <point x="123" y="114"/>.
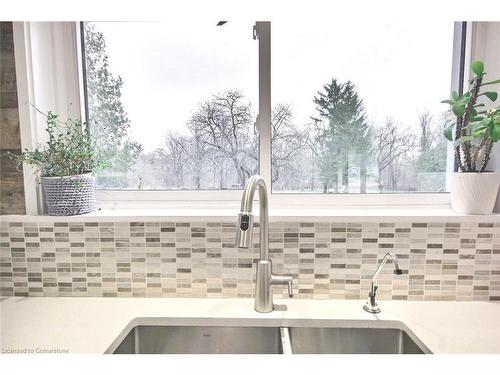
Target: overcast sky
<point x="401" y="68"/>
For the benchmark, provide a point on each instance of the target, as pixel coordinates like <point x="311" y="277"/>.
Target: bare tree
<point x="224" y="124"/>
<point x="179" y="153"/>
<point x="192" y="151"/>
<point x="425" y="122"/>
<point x="430" y="162"/>
<point x="221" y="148"/>
<point x="287" y="141"/>
<point x="390" y="145"/>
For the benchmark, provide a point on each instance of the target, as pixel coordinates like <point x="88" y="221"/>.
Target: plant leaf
<point x="448" y="132"/>
<point x="494" y="131"/>
<point x="466" y="98"/>
<point x="479" y="129"/>
<point x="458" y="109"/>
<point x="490" y="95"/>
<point x="477" y="67"/>
<point x="491" y="82"/>
<point x="454" y="95"/>
<point x="447" y="101"/>
<point x="478" y="133"/>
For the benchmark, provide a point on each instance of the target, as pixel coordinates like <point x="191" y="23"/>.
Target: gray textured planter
<point x="69" y="195"/>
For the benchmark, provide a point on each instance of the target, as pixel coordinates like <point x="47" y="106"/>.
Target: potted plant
<point x="66" y="163"/>
<point x="474" y="188"/>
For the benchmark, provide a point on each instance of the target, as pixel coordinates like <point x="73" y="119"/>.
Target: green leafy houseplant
<point x="68" y="152"/>
<point x="65" y="164"/>
<point x="474" y="189"/>
<point x="475" y="129"/>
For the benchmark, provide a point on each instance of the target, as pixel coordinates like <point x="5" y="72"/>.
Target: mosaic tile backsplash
<point x="440" y="261"/>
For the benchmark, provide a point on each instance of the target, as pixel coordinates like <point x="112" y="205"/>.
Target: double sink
<point x="293" y="339"/>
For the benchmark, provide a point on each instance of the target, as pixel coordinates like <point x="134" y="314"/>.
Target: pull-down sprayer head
<point x="244" y="232"/>
<point x="246" y="223"/>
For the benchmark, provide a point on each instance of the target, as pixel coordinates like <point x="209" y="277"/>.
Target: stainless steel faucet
<point x="265" y="278"/>
<point x="371" y="305"/>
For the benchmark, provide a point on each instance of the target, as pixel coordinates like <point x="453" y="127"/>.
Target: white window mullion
<point x="79" y="35"/>
<point x="458" y="79"/>
<point x="263" y="34"/>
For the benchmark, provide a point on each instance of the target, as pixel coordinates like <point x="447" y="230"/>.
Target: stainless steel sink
<point x="299" y="338"/>
<point x="305" y="340"/>
<point x="201" y="340"/>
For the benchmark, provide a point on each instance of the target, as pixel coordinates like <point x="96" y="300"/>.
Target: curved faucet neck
<point x="389" y="255"/>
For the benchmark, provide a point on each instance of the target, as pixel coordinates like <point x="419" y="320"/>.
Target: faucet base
<point x="263" y="294"/>
<point x="263" y="286"/>
<point x="371" y="309"/>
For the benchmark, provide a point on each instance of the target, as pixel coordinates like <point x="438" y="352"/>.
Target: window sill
<point x="227" y="213"/>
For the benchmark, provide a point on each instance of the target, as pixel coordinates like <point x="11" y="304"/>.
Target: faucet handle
<point x="283" y="280"/>
<point x="290" y="287"/>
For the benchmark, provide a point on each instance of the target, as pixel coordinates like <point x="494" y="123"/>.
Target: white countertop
<point x="91" y="325"/>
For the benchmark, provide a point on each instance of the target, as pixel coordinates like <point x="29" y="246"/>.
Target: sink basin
<point x="155" y="339"/>
<point x="299" y="338"/>
<point x="306" y="340"/>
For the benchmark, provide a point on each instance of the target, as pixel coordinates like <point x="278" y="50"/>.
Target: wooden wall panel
<point x="11" y="179"/>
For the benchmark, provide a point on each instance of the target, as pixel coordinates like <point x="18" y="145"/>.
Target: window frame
<point x="73" y="57"/>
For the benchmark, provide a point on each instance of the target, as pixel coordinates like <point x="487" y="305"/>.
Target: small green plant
<point x="475" y="129"/>
<point x="68" y="152"/>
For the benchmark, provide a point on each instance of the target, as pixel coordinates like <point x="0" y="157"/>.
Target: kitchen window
<point x="357" y="109"/>
<point x="172" y="105"/>
<point x="175" y="106"/>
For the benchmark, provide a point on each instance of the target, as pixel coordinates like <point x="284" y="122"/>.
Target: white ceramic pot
<point x="474" y="193"/>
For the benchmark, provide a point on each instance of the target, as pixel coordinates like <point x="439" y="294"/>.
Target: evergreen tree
<point x="341" y="133"/>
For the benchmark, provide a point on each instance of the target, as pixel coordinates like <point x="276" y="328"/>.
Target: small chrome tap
<point x="265" y="278"/>
<point x="371" y="305"/>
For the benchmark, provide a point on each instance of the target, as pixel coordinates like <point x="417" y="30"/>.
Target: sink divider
<point x="285" y="340"/>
